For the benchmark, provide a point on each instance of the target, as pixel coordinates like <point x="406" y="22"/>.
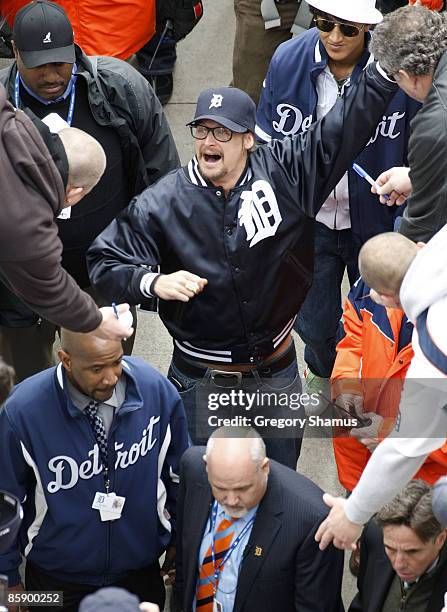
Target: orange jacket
<point x="372" y="361"/>
<point x="102" y="27"/>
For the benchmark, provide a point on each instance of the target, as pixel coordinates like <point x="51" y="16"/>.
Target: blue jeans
<point x="283" y="450"/>
<point x="319" y="316"/>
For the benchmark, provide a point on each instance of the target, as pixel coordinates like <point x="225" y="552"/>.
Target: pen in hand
<point x="115" y="310"/>
<point x="359" y="170"/>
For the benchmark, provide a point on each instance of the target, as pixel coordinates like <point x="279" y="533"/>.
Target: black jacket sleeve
<point x="124" y="250"/>
<point x="315" y="161"/>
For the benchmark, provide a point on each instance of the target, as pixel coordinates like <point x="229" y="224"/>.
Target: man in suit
<point x="403" y="556"/>
<point x="246" y="533"/>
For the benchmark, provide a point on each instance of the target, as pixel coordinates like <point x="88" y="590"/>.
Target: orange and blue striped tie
<point x="206" y="587"/>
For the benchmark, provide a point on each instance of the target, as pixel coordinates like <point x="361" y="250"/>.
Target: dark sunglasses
<point x="327" y="25"/>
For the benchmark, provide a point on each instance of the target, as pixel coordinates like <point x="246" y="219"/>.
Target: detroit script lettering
<point x="68" y="472"/>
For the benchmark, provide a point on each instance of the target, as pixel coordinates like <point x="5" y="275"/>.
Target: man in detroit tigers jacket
<point x="232" y="233"/>
<point x="99" y="428"/>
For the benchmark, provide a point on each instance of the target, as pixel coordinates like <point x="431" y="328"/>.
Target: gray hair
<point x="257" y="447"/>
<point x="413" y="38"/>
<point x="412" y="508"/>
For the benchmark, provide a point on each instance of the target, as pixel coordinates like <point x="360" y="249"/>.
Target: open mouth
<point x="212" y="159"/>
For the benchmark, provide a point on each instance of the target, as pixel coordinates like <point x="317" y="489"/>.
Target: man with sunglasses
<point x="306" y="77"/>
<point x="232" y="234"/>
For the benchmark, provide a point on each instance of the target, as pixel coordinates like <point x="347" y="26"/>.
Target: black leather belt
<point x="189" y="368"/>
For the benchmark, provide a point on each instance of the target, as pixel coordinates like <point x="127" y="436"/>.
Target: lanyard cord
<point x="70" y="108"/>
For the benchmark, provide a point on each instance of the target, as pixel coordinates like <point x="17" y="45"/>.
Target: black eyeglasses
<point x="327" y="25"/>
<point x="200" y="132"/>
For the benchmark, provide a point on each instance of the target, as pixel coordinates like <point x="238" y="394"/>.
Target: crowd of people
<point x="322" y="161"/>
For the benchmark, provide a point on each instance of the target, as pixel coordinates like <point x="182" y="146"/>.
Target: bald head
<point x="242" y="440"/>
<point x="86" y="158"/>
<point x="237" y="470"/>
<point x="92" y="364"/>
<point x="82" y="345"/>
<point x="384" y="261"/>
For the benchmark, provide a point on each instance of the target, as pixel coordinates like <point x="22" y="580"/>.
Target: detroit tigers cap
<point x="229" y="106"/>
<point x="11" y="515"/>
<point x="110" y="599"/>
<point x="43" y="34"/>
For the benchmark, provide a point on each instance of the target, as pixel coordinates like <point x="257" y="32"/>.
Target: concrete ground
<point x="204" y="60"/>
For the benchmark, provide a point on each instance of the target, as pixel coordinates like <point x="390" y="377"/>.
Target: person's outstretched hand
<point x="336" y="527"/>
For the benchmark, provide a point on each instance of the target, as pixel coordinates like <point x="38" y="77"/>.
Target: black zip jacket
<point x="255" y="246"/>
<point x="119" y="98"/>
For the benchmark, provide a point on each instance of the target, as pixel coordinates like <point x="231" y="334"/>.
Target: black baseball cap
<point x="43" y="34"/>
<point x="229" y="106"/>
<point x="11" y="515"/>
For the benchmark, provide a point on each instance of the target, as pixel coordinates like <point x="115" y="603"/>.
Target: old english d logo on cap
<point x="216" y="101"/>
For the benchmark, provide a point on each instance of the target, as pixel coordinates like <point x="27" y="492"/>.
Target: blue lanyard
<point x="70" y="108"/>
<point x="233" y="546"/>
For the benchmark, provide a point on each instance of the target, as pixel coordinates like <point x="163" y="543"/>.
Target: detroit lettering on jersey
<point x="291" y="122"/>
<point x="68" y="472"/>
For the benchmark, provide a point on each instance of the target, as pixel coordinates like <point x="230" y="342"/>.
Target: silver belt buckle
<point x="226" y="378"/>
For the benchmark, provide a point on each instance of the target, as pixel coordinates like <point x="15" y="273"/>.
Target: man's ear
<point x="249" y="141"/>
<point x="265" y="465"/>
<point x="406" y="75"/>
<point x="65" y="359"/>
<point x="73" y="195"/>
<point x="389" y="300"/>
<point x="14" y="48"/>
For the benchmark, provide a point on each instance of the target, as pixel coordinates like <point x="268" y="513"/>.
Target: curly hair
<point x="413" y="38"/>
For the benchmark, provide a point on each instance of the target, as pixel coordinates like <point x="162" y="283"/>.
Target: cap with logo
<point x="228" y="106"/>
<point x="358" y="11"/>
<point x="43" y="34"/>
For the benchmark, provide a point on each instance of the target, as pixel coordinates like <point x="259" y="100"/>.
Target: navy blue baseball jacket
<point x="49" y="458"/>
<point x="288" y="106"/>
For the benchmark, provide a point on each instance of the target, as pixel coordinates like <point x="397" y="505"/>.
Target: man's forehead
<point x="402" y="537"/>
<point x="210" y="123"/>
